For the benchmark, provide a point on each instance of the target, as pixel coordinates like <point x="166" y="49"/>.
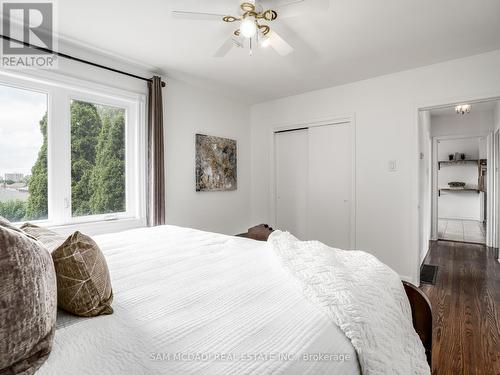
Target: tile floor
<point x="462" y="230"/>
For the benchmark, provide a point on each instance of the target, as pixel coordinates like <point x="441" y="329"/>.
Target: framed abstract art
<point x="216" y="163"/>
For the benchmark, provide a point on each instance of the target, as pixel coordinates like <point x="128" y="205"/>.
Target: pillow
<point x="7" y="224"/>
<point x="83" y="282"/>
<point x="28" y="302"/>
<point x="50" y="239"/>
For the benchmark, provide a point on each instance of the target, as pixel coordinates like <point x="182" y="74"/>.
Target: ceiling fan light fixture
<point x="248" y="27"/>
<point x="253" y="30"/>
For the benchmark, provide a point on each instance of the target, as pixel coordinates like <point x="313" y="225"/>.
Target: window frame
<point x="60" y="90"/>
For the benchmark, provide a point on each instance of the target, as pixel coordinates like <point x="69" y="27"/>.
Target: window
<point x="70" y="153"/>
<point x="97" y="159"/>
<point x="23" y="154"/>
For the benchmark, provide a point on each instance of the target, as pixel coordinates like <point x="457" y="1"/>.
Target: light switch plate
<point x="392" y="166"/>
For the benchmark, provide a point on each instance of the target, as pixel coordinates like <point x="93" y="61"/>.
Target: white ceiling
<point x="353" y="40"/>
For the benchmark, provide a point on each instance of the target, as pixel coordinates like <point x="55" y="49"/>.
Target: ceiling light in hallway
<point x="462" y="109"/>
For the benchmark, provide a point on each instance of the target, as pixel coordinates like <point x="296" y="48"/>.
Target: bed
<point x="191" y="302"/>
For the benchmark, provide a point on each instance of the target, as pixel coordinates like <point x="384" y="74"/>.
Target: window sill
<point x="93" y="228"/>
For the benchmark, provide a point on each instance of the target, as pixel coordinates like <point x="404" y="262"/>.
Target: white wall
<point x="460" y="205"/>
<point x="496" y="182"/>
<point x="190" y="110"/>
<point x="386" y="125"/>
<point x="483" y="148"/>
<point x="467" y="145"/>
<point x="100" y="76"/>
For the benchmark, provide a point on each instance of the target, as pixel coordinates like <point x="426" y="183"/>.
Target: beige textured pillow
<point x="7" y="224"/>
<point x="50" y="239"/>
<point x="28" y="302"/>
<point x="83" y="282"/>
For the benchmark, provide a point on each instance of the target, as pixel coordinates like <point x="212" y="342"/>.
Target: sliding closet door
<point x="291" y="182"/>
<point x="329" y="184"/>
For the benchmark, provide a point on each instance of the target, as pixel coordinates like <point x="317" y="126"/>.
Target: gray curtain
<point x="156" y="170"/>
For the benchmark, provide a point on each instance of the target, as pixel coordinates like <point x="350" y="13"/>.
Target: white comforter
<point x="192" y="302"/>
<point x="363" y="296"/>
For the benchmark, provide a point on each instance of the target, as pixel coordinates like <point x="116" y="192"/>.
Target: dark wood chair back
<point x="422" y="317"/>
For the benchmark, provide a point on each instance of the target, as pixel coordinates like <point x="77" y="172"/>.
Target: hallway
<point x="462" y="230"/>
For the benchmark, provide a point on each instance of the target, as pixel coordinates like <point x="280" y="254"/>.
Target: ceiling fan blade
<point x="197" y="15"/>
<point x="279" y="44"/>
<point x="294" y="8"/>
<point x="226" y="47"/>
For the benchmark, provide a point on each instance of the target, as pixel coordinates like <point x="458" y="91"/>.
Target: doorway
<point x="461" y="173"/>
<point x="458" y="177"/>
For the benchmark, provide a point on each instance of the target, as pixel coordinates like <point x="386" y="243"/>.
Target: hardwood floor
<point x="466" y="309"/>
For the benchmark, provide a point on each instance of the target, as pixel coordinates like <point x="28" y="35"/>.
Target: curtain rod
<point x="60" y="54"/>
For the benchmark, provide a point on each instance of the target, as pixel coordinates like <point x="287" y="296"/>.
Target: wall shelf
<point x="458" y="190"/>
<point x="457" y="162"/>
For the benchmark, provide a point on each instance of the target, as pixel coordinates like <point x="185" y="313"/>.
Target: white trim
<point x="59" y="158"/>
<point x="495" y="230"/>
<point x="489" y="190"/>
<point x="434" y="191"/>
<point x="347" y="119"/>
<point x="131" y="162"/>
<point x="435" y="188"/>
<point x="462" y="136"/>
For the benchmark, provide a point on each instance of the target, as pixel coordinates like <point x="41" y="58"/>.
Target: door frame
<point x="435" y="188"/>
<point x="416" y="107"/>
<point x="348" y="119"/>
<point x="495" y="197"/>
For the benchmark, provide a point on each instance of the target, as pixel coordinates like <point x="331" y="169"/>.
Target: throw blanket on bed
<point x="364" y="297"/>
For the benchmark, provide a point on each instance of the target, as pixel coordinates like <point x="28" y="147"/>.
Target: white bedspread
<point x="185" y="300"/>
<point x="363" y="296"/>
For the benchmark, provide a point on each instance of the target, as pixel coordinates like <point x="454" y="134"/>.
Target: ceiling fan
<point x="253" y="28"/>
